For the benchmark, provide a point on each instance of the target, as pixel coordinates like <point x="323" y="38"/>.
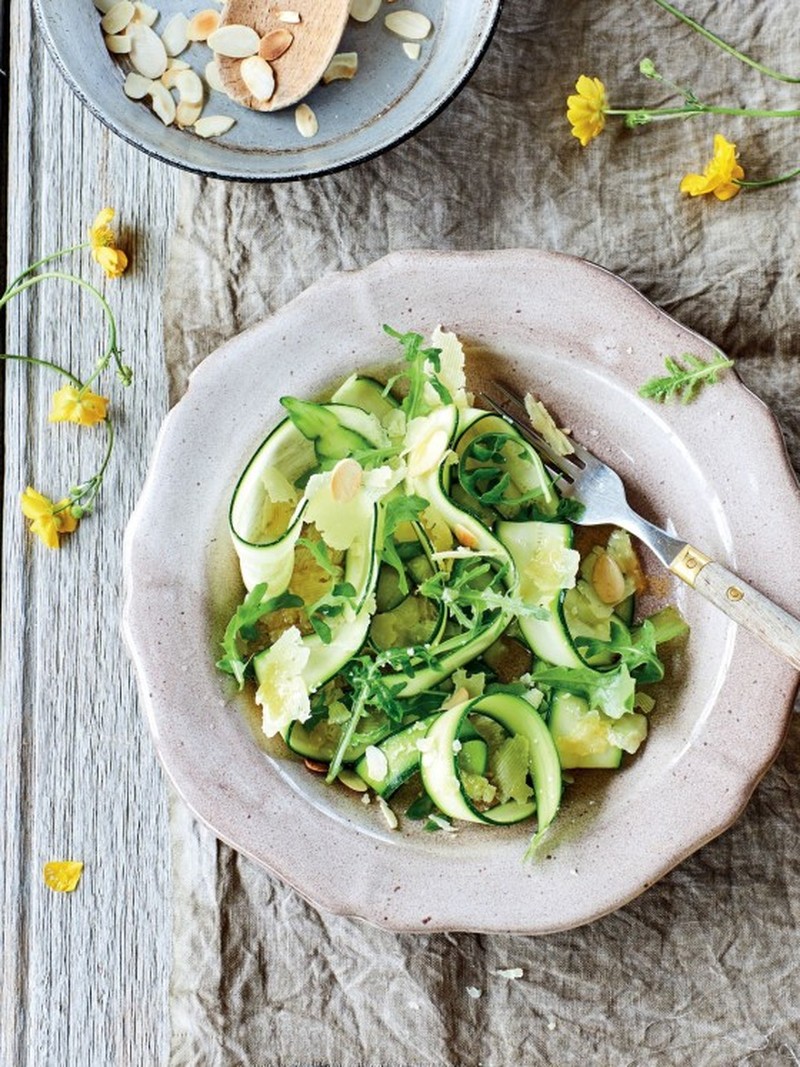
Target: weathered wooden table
<point x="84" y="975"/>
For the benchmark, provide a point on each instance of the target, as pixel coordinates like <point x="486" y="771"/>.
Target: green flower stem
<point x="112" y="349"/>
<point x="84" y="494"/>
<point x="709" y="36"/>
<point x="45" y="363"/>
<point x="649" y="114"/>
<point x="41" y="263"/>
<point x="768" y="181"/>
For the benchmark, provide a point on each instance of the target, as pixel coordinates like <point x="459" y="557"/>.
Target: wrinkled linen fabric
<point x="703" y="968"/>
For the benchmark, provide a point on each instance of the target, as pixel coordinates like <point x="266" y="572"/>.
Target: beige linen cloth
<point x="702" y="969"/>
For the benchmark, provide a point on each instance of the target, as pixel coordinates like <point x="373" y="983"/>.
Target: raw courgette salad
<point x="416" y="614"/>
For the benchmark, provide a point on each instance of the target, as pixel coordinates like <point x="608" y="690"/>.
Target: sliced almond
<point x="364" y="10"/>
<point x="177" y="64"/>
<point x="203" y="24"/>
<point x="275" y="44"/>
<point x="352" y="780"/>
<point x="118" y="17"/>
<point x="289" y="16"/>
<point x="163" y="104"/>
<point x="412" y="25"/>
<point x="213" y="125"/>
<point x="104" y="6"/>
<point x="176" y="35"/>
<point x="388" y="814"/>
<point x="190" y="87"/>
<point x="346" y="478"/>
<point x="258" y="76"/>
<point x="145" y="13"/>
<point x="136" y="86"/>
<point x="344" y="65"/>
<point x="315" y="766"/>
<point x="235" y="41"/>
<point x="411" y="49"/>
<point x="212" y="77"/>
<point x="465" y="537"/>
<point x="119" y="44"/>
<point x="148" y="55"/>
<point x="305" y="120"/>
<point x="168" y="77"/>
<point x="187" y="114"/>
<point x="608" y="580"/>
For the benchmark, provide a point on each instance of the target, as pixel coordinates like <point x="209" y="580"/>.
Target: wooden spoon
<point x="297" y="51"/>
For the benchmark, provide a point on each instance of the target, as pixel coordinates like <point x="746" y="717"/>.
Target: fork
<point x="595" y="485"/>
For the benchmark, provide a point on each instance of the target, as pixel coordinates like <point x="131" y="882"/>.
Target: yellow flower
<point x="586" y="112"/>
<point x="101" y="237"/>
<point x="48" y="520"/>
<point x="718" y="175"/>
<point x="62" y="875"/>
<point x="78" y="405"/>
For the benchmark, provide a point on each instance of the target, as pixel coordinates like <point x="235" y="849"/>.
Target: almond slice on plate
<point x="364" y="10"/>
<point x="306" y="121"/>
<point x="344" y="65"/>
<point x="259" y="77"/>
<point x="203" y="24"/>
<point x="411" y="49"/>
<point x="212" y="77"/>
<point x="187" y="114"/>
<point x="136" y="87"/>
<point x="176" y="35"/>
<point x="163" y="104"/>
<point x="148" y="55"/>
<point x="145" y="13"/>
<point x="235" y="41"/>
<point x="213" y="125"/>
<point x="190" y="87"/>
<point x="119" y="44"/>
<point x="409" y="24"/>
<point x="118" y="17"/>
<point x="275" y="44"/>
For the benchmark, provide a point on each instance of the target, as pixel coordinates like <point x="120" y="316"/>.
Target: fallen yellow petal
<point x="62" y="876"/>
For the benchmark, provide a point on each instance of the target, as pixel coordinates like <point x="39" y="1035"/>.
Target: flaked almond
<point x="465" y="537"/>
<point x="177" y="64"/>
<point x="316" y="767"/>
<point x="364" y="10"/>
<point x="176" y="35"/>
<point x="104" y="6"/>
<point x="346" y="479"/>
<point x="136" y="86"/>
<point x="344" y="65"/>
<point x="305" y="120"/>
<point x="275" y="44"/>
<point x="119" y="44"/>
<point x="145" y="13"/>
<point x="258" y="76"/>
<point x="388" y="814"/>
<point x="163" y="104"/>
<point x="428" y="453"/>
<point x="213" y="125"/>
<point x="352" y="780"/>
<point x="292" y="17"/>
<point x="168" y="77"/>
<point x="234" y="41"/>
<point x="189" y="86"/>
<point x="213" y="78"/>
<point x="203" y="24"/>
<point x="148" y="55"/>
<point x="187" y="114"/>
<point x="411" y="49"/>
<point x="608" y="580"/>
<point x="412" y="25"/>
<point x="118" y="17"/>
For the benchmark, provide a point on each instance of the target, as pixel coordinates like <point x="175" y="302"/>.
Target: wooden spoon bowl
<point x="297" y="51"/>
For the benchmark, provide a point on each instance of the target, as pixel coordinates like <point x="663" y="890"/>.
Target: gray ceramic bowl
<point x="390" y="97"/>
<point x="716" y="471"/>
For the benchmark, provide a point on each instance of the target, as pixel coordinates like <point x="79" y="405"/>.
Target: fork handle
<point x="741" y="602"/>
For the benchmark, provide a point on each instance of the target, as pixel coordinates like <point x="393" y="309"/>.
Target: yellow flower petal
<point x="718" y="177"/>
<point x="34" y="504"/>
<point x="586" y="110"/>
<point x="102" y="240"/>
<point x="62" y="875"/>
<point x="48" y="520"/>
<point x="84" y="407"/>
<point x="112" y="260"/>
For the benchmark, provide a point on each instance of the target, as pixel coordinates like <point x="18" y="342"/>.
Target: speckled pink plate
<point x="716" y="471"/>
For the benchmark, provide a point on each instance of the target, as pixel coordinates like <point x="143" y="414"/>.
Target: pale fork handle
<point x="741" y="602"/>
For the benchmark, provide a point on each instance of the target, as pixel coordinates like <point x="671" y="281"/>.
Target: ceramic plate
<point x="390" y="97"/>
<point x="716" y="471"/>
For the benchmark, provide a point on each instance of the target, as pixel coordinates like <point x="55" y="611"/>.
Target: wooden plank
<point x="84" y="976"/>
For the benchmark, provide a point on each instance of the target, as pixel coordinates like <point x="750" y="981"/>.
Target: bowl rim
<point x="326" y="896"/>
<point x="235" y="175"/>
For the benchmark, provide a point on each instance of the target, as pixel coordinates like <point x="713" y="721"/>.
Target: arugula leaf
<point x="397" y="510"/>
<point x="417" y="374"/>
<point x="242" y="627"/>
<point x="685" y="380"/>
<point x="611" y="692"/>
<point x="319" y="551"/>
<point x="635" y="648"/>
<point x="330" y="606"/>
<point x="469" y="597"/>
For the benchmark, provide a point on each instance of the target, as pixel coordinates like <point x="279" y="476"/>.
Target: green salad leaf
<point x="684" y="381"/>
<point x="242" y="627"/>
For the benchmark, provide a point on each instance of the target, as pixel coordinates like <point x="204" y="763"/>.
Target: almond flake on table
<point x="364" y="10"/>
<point x="202" y="24"/>
<point x="412" y="25"/>
<point x="176" y="35"/>
<point x="259" y="78"/>
<point x="343" y="66"/>
<point x="510" y="972"/>
<point x="306" y="121"/>
<point x="235" y="41"/>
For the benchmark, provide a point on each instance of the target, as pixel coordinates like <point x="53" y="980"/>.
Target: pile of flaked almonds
<point x="157" y="72"/>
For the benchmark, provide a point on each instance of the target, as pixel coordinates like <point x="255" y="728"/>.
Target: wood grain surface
<point x="84" y="975"/>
